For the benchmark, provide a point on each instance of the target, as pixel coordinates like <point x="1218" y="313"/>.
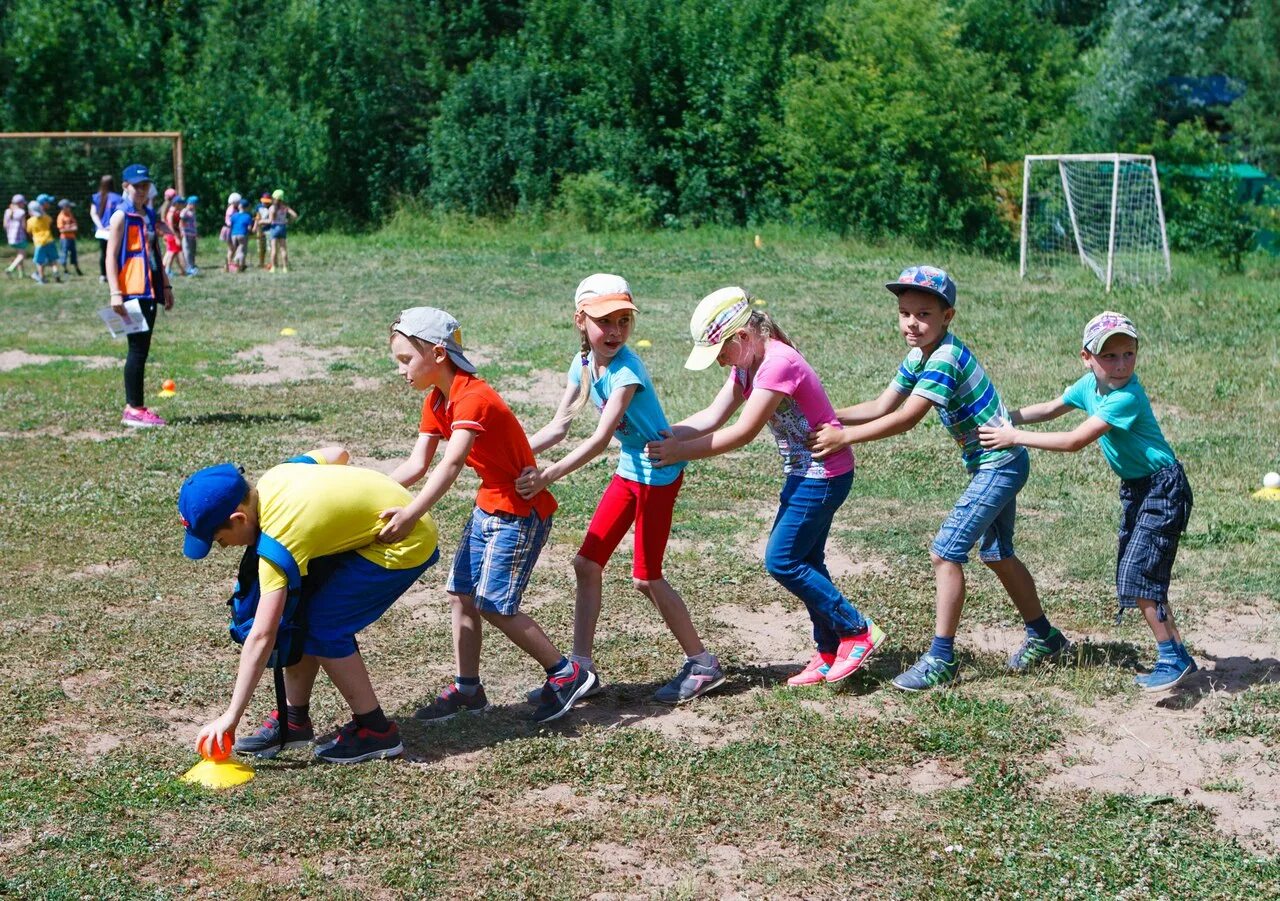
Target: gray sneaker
<point x="534" y="695"/>
<point x="693" y="681"/>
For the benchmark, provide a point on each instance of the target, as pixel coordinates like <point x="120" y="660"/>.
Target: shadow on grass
<point x="243" y="418"/>
<point x="1230" y="675"/>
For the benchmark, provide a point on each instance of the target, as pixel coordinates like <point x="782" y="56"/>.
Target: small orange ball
<point x="169" y="385"/>
<point x="209" y="750"/>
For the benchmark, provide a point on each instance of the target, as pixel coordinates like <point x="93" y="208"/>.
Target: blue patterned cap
<point x="928" y="279"/>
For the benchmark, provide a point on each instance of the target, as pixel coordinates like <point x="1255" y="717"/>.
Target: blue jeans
<point x="985" y="511"/>
<point x="797" y="552"/>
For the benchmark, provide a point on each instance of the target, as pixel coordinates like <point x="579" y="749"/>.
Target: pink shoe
<point x="815" y="672"/>
<point x="854" y="652"/>
<point x="140" y="418"/>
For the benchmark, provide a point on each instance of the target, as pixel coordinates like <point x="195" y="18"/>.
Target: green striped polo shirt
<point x="954" y="381"/>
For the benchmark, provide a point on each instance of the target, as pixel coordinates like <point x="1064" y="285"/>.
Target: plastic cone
<point x="286" y="331"/>
<point x="218" y="774"/>
<point x="644" y="342"/>
<point x="1267" y="494"/>
<point x="167" y="392"/>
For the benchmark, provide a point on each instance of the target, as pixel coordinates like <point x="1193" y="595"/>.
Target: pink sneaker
<point x="140" y="418"/>
<point x="854" y="652"/>
<point x="815" y="672"/>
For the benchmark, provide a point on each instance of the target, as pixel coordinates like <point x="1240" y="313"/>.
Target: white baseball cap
<point x="435" y="327"/>
<point x="715" y="320"/>
<point x="602" y="294"/>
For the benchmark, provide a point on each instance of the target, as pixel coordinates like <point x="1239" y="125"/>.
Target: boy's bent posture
<point x="319" y="522"/>
<point x="1155" y="499"/>
<point x="941" y="372"/>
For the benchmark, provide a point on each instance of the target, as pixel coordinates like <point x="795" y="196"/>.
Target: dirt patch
<point x="81" y="684"/>
<point x="934" y="776"/>
<point x="1152" y="746"/>
<point x="383" y="466"/>
<point x="101" y="570"/>
<point x="285" y="361"/>
<point x="840" y="564"/>
<point x="561" y="799"/>
<point x="542" y="388"/>
<point x="14" y="359"/>
<point x="53" y="431"/>
<point x="776" y="633"/>
<point x="684" y="725"/>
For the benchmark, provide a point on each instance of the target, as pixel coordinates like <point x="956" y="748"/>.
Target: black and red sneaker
<point x="265" y="743"/>
<point x="355" y="744"/>
<point x="560" y="693"/>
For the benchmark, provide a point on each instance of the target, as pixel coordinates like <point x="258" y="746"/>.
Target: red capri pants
<point x="624" y="502"/>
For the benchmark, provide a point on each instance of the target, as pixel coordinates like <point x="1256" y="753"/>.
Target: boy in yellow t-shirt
<point x="319" y="522"/>
<point x="40" y="228"/>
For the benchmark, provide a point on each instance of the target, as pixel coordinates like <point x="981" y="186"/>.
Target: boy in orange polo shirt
<point x="505" y="533"/>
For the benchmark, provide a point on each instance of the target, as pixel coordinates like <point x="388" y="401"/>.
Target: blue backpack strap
<point x="302" y="458"/>
<point x="277" y="553"/>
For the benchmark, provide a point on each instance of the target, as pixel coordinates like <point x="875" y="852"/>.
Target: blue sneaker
<point x="1167" y="672"/>
<point x="265" y="743"/>
<point x="928" y="672"/>
<point x="693" y="681"/>
<point x="355" y="744"/>
<point x="451" y="703"/>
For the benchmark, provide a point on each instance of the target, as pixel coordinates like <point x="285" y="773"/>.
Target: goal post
<point x="1102" y="209"/>
<point x="70" y="163"/>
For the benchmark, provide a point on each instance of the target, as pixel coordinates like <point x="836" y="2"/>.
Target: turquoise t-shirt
<point x="1135" y="446"/>
<point x="641" y="423"/>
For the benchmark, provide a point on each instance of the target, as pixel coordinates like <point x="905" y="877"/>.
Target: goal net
<point x="70" y="164"/>
<point x="1099" y="211"/>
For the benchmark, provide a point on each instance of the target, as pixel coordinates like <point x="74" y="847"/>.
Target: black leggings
<point x="102" y="257"/>
<point x="135" y="364"/>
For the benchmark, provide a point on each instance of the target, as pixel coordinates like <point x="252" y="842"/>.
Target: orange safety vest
<point x="135" y="264"/>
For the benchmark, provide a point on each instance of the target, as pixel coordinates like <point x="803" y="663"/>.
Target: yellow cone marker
<point x="1267" y="494"/>
<point x="287" y="332"/>
<point x="644" y="342"/>
<point x="758" y="302"/>
<point x="759" y="243"/>
<point x="166" y="393"/>
<point x="219" y="773"/>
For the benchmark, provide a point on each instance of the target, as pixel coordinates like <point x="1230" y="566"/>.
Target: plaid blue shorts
<point x="1153" y="515"/>
<point x="495" y="558"/>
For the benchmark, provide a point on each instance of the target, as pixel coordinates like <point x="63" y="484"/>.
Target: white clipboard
<point x="134" y="323"/>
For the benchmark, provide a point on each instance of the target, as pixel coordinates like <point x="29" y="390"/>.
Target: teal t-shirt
<point x="641" y="423"/>
<point x="1135" y="446"/>
<point x="955" y="383"/>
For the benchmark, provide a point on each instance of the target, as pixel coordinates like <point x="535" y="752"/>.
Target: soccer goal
<point x="70" y="163"/>
<point x="1098" y="210"/>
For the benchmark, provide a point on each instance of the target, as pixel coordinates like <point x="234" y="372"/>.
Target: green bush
<point x="596" y="201"/>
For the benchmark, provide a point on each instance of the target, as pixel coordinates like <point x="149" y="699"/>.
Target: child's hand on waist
<point x="664" y="452"/>
<point x="998" y="437"/>
<point x="531" y="482"/>
<point x="826" y="441"/>
<point x="399" y="524"/>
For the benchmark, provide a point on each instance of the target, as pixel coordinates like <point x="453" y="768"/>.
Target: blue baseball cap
<point x="928" y="279"/>
<point x="136" y="173"/>
<point x="206" y="501"/>
<point x="193" y="199"/>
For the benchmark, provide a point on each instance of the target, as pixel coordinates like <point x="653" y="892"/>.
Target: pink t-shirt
<point x="805" y="408"/>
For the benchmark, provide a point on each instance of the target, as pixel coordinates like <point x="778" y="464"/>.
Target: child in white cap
<point x="504" y="534"/>
<point x="610" y="376"/>
<point x="15" y="232"/>
<point x="1155" y="498"/>
<point x="774" y="385"/>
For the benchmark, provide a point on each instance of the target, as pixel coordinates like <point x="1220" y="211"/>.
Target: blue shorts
<point x="1153" y="515"/>
<point x="352" y="593"/>
<point x="278" y="232"/>
<point x="985" y="512"/>
<point x="495" y="558"/>
<point x="46" y="254"/>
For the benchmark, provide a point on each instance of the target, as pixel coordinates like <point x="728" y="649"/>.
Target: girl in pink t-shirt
<point x="775" y="386"/>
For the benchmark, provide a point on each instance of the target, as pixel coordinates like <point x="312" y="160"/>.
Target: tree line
<point x="878" y="118"/>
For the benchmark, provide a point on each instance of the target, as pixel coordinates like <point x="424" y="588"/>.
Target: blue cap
<point x="207" y="500"/>
<point x="928" y="279"/>
<point x="193" y="199"/>
<point x="136" y="173"/>
<point x="44" y="199"/>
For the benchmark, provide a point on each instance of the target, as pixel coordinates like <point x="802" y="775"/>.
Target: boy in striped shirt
<point x="941" y="372"/>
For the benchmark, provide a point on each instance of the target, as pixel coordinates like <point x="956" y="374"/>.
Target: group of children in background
<point x="769" y="383"/>
<point x="269" y="221"/>
<point x="32" y="224"/>
<point x="50" y="257"/>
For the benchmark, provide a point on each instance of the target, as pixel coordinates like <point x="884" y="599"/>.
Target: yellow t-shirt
<point x="318" y="510"/>
<point x="41" y="230"/>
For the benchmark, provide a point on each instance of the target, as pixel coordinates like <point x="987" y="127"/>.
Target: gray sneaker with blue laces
<point x="693" y="681"/>
<point x="928" y="672"/>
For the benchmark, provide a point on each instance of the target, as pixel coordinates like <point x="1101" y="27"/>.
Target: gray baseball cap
<point x="435" y="327"/>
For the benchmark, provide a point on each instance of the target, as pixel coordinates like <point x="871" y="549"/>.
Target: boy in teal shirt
<point x="940" y="372"/>
<point x="1155" y="497"/>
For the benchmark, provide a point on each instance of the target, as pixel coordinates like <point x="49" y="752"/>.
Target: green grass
<point x="114" y="647"/>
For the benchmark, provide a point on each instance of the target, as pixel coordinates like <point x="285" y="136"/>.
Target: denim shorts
<point x="495" y="558"/>
<point x="986" y="513"/>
